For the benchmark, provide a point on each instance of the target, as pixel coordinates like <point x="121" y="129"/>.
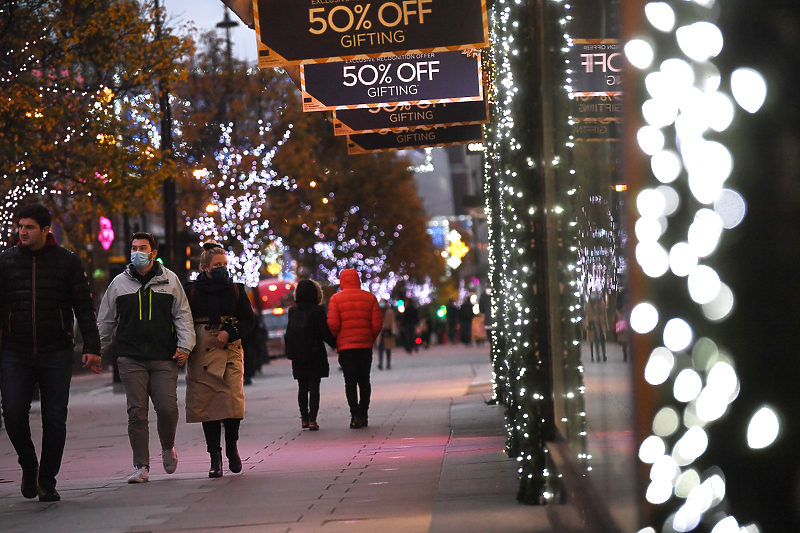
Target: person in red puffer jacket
<point x="354" y="318"/>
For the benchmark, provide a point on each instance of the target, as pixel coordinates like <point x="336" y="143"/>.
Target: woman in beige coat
<point x="214" y="372"/>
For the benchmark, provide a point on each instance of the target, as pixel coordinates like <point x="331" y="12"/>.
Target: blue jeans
<point x="19" y="372"/>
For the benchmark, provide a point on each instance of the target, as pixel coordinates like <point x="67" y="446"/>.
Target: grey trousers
<point x="157" y="380"/>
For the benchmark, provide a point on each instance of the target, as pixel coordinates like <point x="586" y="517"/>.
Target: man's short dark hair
<point x="37" y="212"/>
<point x="141" y="235"/>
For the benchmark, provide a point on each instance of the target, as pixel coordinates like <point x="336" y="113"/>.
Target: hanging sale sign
<point x="292" y="32"/>
<point x="596" y="66"/>
<point x="418" y="138"/>
<point x="386" y="81"/>
<point x="383" y="119"/>
<point x="596" y="90"/>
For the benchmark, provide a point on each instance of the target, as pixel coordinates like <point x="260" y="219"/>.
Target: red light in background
<point x="419" y="341"/>
<point x="273" y="288"/>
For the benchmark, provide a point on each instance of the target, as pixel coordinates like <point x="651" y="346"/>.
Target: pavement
<point x="431" y="460"/>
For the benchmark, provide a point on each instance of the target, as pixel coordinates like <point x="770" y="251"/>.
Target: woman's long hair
<point x="308" y="291"/>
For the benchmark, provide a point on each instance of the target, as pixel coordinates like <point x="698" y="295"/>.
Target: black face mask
<point x="219" y="273"/>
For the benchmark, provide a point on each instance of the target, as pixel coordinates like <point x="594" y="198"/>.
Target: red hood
<point x="349" y="279"/>
<point x="50" y="240"/>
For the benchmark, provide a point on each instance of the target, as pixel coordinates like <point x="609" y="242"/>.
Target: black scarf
<point x="213" y="288"/>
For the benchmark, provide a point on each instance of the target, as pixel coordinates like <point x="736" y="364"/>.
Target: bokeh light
<point x="659" y="366"/>
<point x="749" y="89"/>
<point x="660" y="15"/>
<point x="763" y="429"/>
<point x="721" y="306"/>
<point x="704" y="284"/>
<point x="666" y="166"/>
<point x="682" y="259"/>
<point x="700" y="41"/>
<point x="651" y="449"/>
<point x="644" y="318"/>
<point x="688" y="385"/>
<point x="666" y="422"/>
<point x="653" y="259"/>
<point x="730" y="207"/>
<point x="639" y="53"/>
<point x="677" y="335"/>
<point x="650" y="139"/>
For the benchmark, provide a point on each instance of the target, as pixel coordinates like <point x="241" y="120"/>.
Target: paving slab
<point x="431" y="461"/>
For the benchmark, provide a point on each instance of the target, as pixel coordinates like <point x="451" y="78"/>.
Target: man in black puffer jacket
<point x="41" y="286"/>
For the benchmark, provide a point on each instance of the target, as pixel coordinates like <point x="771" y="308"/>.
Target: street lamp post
<point x="168" y="191"/>
<point x="227" y="24"/>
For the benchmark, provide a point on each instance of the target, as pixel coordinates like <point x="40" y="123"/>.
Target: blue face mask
<point x="140" y="259"/>
<point x="219" y="273"/>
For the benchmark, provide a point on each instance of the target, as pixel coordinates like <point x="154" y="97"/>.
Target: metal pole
<point x="169" y="199"/>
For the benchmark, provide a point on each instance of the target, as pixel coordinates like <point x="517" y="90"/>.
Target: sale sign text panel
<point x="292" y="32"/>
<point x="386" y="81"/>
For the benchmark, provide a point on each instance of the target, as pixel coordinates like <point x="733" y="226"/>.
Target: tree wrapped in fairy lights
<point x="276" y="177"/>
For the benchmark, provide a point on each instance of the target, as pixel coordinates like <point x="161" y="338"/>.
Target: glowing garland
<point x="103" y="106"/>
<point x="238" y="202"/>
<point x="684" y="106"/>
<point x="575" y="256"/>
<point x="518" y="369"/>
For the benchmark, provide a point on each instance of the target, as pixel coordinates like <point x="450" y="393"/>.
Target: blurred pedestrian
<point x="386" y="341"/>
<point x="597" y="324"/>
<point x="354" y="318"/>
<point x="425" y="325"/>
<point x="306" y="334"/>
<point x="41" y="286"/>
<point x="147" y="313"/>
<point x="621" y="324"/>
<point x="452" y="321"/>
<point x="222" y="315"/>
<point x="256" y="350"/>
<point x="465" y="316"/>
<point x="410" y="321"/>
<point x="485" y="306"/>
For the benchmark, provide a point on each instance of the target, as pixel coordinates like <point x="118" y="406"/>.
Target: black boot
<point x="234" y="461"/>
<point x="30" y="483"/>
<point x="216" y="464"/>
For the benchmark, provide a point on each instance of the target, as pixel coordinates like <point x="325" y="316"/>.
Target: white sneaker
<point x="170" y="460"/>
<point x="140" y="475"/>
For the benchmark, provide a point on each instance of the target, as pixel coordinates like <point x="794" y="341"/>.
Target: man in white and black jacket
<point x="146" y="311"/>
<point x="42" y="286"/>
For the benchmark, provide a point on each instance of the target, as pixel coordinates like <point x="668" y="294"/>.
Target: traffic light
<point x="187" y="254"/>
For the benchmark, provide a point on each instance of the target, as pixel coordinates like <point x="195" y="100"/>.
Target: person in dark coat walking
<point x="222" y="315"/>
<point x="306" y="332"/>
<point x="410" y="321"/>
<point x="41" y="286"/>
<point x="465" y="316"/>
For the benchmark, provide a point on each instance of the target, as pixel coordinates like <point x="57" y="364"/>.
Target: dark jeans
<point x="213" y="433"/>
<point x="308" y="398"/>
<point x="598" y="342"/>
<point x="356" y="365"/>
<point x="18" y="376"/>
